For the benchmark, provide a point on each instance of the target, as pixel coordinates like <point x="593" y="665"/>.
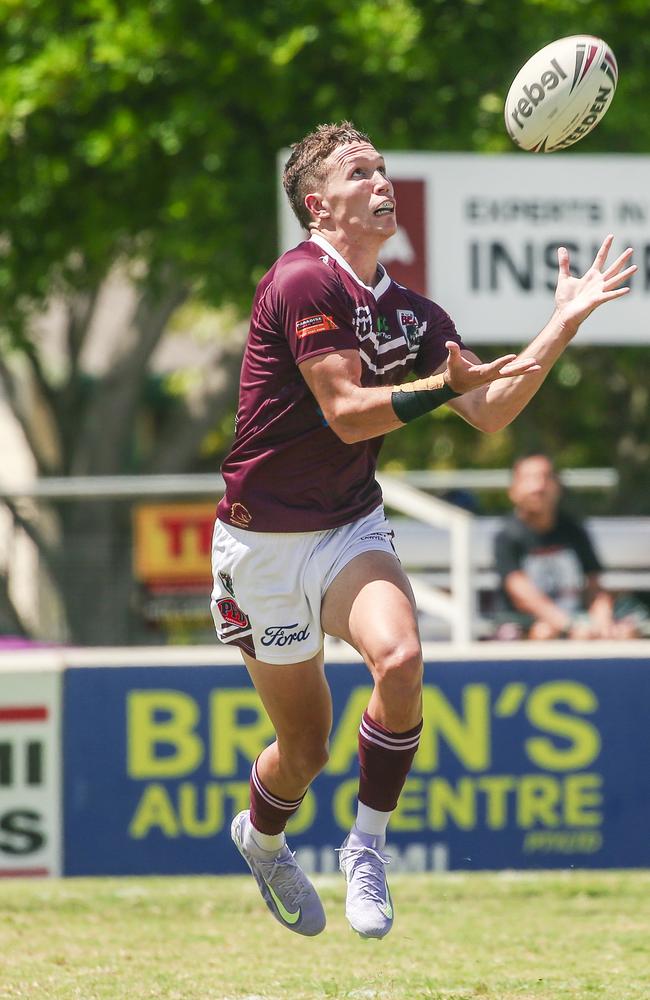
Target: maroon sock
<point x="269" y="813"/>
<point x="385" y="759"/>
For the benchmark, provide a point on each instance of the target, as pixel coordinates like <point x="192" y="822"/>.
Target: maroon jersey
<point x="287" y="470"/>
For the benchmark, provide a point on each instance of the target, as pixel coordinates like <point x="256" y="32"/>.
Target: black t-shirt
<point x="557" y="561"/>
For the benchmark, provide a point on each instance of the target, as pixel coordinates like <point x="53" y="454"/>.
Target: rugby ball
<point x="561" y="93"/>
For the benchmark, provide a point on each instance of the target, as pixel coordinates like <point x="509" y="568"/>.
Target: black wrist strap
<point x="414" y="399"/>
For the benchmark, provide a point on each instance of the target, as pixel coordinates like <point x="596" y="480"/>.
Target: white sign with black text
<point x="492" y="225"/>
<point x="30" y="773"/>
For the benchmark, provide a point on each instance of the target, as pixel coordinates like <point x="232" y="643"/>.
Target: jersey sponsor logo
<point x="314" y="324"/>
<point x="239" y="515"/>
<point x="380" y="536"/>
<point x="363" y="321"/>
<point x="281" y="635"/>
<point x="383" y="330"/>
<point x="232" y="613"/>
<point x="412" y="330"/>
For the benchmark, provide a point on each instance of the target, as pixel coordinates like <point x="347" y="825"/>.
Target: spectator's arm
<point x="600" y="604"/>
<point x="530" y="600"/>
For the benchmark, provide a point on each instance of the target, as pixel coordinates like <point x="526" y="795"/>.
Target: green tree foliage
<point x="144" y="135"/>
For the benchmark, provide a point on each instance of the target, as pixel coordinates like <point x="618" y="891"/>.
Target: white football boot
<point x="286" y="890"/>
<point x="368" y="905"/>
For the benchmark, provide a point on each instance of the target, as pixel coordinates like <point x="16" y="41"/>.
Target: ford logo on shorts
<point x="281" y="635"/>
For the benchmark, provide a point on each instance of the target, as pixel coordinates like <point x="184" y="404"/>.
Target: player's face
<point x="357" y="194"/>
<point x="535" y="488"/>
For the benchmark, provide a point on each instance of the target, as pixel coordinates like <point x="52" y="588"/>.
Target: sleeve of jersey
<point x="315" y="311"/>
<point x="433" y="353"/>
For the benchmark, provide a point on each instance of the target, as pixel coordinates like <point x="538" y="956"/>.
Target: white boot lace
<point x="367" y="869"/>
<point x="286" y="877"/>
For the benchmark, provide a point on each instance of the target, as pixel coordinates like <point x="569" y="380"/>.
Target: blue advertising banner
<point x="522" y="764"/>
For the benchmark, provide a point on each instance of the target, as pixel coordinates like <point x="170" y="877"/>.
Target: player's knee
<point x="398" y="670"/>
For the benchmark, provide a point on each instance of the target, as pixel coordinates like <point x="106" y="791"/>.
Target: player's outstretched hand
<point x="462" y="375"/>
<point x="576" y="298"/>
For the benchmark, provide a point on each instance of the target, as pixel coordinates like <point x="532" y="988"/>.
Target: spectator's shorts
<point x="269" y="586"/>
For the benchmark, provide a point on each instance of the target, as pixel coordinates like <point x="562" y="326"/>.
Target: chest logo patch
<point x="239" y="515"/>
<point x="363" y="322"/>
<point x="411" y="329"/>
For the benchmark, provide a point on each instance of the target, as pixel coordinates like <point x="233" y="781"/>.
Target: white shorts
<point x="269" y="586"/>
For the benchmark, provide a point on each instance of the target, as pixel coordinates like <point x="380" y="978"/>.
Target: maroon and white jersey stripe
<point x="287" y="470"/>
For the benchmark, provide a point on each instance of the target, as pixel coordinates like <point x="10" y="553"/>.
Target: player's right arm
<point x="354" y="412"/>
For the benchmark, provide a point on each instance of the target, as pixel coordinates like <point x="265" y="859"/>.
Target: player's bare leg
<point x="371" y="606"/>
<point x="298" y="702"/>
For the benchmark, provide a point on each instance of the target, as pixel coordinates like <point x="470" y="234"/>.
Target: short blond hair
<point x="304" y="170"/>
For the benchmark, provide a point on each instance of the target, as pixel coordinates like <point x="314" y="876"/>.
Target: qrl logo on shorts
<point x="232" y="613"/>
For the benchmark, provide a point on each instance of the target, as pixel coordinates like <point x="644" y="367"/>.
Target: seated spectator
<point x="548" y="569"/>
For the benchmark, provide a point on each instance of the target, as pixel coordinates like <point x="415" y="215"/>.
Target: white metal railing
<point x="208" y="484"/>
<point x="113" y="487"/>
<point x="403" y="492"/>
<point x="499" y="479"/>
<point x="458" y="608"/>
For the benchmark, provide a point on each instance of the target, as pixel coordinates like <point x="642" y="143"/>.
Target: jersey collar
<point x="381" y="286"/>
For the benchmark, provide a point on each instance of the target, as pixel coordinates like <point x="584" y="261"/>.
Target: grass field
<point x="577" y="935"/>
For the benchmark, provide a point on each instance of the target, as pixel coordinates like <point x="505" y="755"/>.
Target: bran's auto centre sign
<point x="479" y="234"/>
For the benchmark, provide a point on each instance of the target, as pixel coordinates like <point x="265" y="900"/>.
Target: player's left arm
<point x="493" y="406"/>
